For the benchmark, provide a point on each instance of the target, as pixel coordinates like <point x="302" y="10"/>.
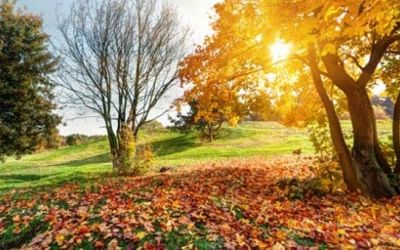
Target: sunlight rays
<point x="280" y="51"/>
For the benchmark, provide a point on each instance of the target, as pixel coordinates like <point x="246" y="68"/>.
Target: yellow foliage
<point x="228" y="74"/>
<point x="126" y="152"/>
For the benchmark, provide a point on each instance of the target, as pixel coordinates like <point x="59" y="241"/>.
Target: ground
<point x="88" y="161"/>
<point x="259" y="198"/>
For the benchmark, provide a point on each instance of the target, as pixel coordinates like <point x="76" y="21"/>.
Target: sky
<point x="194" y="13"/>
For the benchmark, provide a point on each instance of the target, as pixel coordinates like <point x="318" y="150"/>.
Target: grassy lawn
<point x="89" y="161"/>
<point x="238" y="201"/>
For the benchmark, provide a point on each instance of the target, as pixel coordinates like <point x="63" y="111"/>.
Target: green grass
<point x="249" y="139"/>
<point x="90" y="161"/>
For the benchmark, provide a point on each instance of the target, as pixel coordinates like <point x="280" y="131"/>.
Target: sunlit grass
<point x="88" y="161"/>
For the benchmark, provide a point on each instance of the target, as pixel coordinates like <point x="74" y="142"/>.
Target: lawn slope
<point x="89" y="161"/>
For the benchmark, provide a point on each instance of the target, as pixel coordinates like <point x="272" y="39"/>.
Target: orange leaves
<point x="16" y="218"/>
<point x="99" y="244"/>
<point x="244" y="30"/>
<point x="149" y="227"/>
<point x="83" y="229"/>
<point x="231" y="204"/>
<point x="220" y="74"/>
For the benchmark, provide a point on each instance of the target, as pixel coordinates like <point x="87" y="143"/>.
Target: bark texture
<point x="372" y="178"/>
<point x="339" y="144"/>
<point x="396" y="133"/>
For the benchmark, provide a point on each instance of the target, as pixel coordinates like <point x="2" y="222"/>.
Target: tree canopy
<point x="120" y="60"/>
<point x="338" y="49"/>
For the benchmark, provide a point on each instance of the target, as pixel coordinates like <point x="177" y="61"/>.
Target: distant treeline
<point x="58" y="141"/>
<point x="55" y="140"/>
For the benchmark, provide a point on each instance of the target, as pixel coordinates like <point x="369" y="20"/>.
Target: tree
<point x="338" y="45"/>
<point x="119" y="61"/>
<point x="186" y="122"/>
<point x="390" y="73"/>
<point x="53" y="140"/>
<point x="335" y="53"/>
<point x="220" y="78"/>
<point x="26" y="97"/>
<point x="212" y="110"/>
<point x="346" y="34"/>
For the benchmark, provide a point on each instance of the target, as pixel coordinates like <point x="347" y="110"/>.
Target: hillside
<point x="80" y="162"/>
<point x="89" y="161"/>
<point x="212" y="200"/>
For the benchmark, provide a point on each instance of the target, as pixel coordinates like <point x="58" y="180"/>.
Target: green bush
<point x="319" y="135"/>
<point x="74" y="139"/>
<point x="144" y="158"/>
<point x="77" y="139"/>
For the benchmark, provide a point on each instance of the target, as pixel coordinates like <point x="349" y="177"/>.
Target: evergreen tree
<point x="26" y="98"/>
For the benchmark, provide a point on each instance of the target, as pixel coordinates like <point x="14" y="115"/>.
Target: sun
<point x="280" y="51"/>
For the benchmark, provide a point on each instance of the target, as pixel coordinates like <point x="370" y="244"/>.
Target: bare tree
<point x="119" y="60"/>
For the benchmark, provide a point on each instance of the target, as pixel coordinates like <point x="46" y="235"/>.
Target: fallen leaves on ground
<point x="235" y="204"/>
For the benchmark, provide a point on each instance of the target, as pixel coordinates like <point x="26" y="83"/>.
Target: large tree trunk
<point x="339" y="143"/>
<point x="372" y="179"/>
<point x="396" y="133"/>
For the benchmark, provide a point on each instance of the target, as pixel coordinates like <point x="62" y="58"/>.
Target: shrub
<point x="77" y="139"/>
<point x="153" y="126"/>
<point x="328" y="180"/>
<point x="144" y="159"/>
<point x="380" y="113"/>
<point x="74" y="139"/>
<point x="52" y="141"/>
<point x="320" y="137"/>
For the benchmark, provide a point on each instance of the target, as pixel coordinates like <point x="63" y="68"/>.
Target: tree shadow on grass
<point x="79" y="178"/>
<point x="22" y="177"/>
<point x="46" y="182"/>
<point x="174" y="145"/>
<point x="96" y="159"/>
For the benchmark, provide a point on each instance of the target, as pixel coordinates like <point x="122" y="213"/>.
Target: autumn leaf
<point x="60" y="239"/>
<point x="141" y="234"/>
<point x="149" y="227"/>
<point x="212" y="202"/>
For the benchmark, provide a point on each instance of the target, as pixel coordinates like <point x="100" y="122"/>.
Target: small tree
<point x="185" y="123"/>
<point x="26" y="98"/>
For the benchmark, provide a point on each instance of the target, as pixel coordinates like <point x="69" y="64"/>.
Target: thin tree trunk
<point x="210" y="133"/>
<point x="372" y="179"/>
<point x="339" y="143"/>
<point x="113" y="143"/>
<point x="135" y="133"/>
<point x="396" y="133"/>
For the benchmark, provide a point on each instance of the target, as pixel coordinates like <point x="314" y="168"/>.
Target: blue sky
<point x="194" y="13"/>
